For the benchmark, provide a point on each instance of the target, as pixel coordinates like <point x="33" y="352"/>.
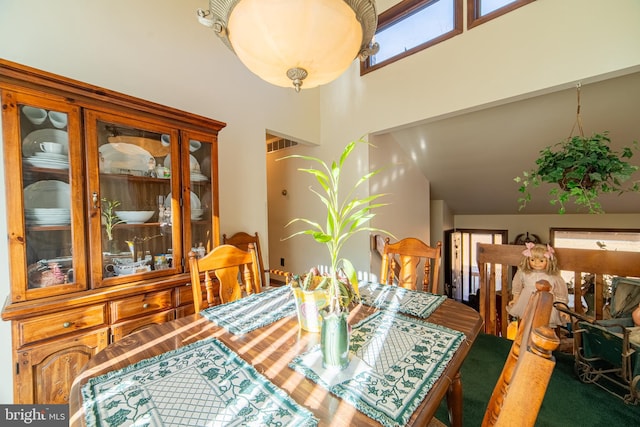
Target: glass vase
<point x="334" y="340"/>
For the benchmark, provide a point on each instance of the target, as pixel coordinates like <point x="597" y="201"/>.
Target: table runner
<point x="398" y="360"/>
<point x="253" y="312"/>
<point x="419" y="304"/>
<point x="204" y="383"/>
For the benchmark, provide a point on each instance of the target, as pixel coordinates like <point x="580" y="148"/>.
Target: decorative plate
<point x="47" y="194"/>
<point x="31" y="143"/>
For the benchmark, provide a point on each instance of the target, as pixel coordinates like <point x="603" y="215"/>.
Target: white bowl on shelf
<point x="58" y="119"/>
<point x="135" y="217"/>
<point x="37" y="116"/>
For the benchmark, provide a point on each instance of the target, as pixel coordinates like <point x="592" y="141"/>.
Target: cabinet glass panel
<point x="47" y="196"/>
<point x="203" y="210"/>
<point x="135" y="199"/>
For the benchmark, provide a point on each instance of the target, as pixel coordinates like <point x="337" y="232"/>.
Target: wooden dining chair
<point x="401" y="260"/>
<point x="520" y="389"/>
<point x="242" y="240"/>
<point x="232" y="267"/>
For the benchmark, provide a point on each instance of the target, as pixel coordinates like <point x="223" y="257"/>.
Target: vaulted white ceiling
<point x="472" y="158"/>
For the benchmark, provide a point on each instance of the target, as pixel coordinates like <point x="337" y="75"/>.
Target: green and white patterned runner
<point x="202" y="384"/>
<point x="419" y="304"/>
<point x="254" y="311"/>
<point x="397" y="358"/>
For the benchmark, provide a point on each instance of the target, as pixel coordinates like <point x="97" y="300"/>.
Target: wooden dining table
<point x="271" y="348"/>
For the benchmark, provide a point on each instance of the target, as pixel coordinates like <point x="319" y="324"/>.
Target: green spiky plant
<point x="583" y="168"/>
<point x="109" y="215"/>
<point x="346" y="216"/>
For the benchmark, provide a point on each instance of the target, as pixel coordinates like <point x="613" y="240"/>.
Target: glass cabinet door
<point x="44" y="196"/>
<point x="201" y="234"/>
<point x="135" y="200"/>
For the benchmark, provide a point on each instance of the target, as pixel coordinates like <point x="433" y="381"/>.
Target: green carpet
<point x="567" y="403"/>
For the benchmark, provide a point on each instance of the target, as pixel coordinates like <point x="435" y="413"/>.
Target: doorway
<point x="460" y="266"/>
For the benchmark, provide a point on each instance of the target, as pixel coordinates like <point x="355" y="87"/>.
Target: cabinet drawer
<point x="184" y="295"/>
<point x="137" y="305"/>
<point x="125" y="328"/>
<point x="57" y="324"/>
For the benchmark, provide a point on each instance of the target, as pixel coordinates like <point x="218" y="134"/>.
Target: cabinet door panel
<point x="43" y="152"/>
<point x="135" y="197"/>
<point x="46" y="372"/>
<point x="200" y="198"/>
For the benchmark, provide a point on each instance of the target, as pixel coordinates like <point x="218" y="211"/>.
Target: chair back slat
<point x="242" y="240"/>
<point x="232" y="267"/>
<point x="400" y="263"/>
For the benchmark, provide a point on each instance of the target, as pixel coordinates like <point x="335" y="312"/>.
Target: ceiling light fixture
<point x="288" y="42"/>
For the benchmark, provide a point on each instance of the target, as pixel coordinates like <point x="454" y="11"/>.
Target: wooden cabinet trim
<point x="53" y="304"/>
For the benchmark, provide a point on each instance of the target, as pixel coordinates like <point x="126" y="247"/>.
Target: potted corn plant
<point x="345" y="216"/>
<point x="311" y="295"/>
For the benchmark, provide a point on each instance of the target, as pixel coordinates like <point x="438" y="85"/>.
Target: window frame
<point x="554" y="230"/>
<point x="473" y="12"/>
<point x="399" y="12"/>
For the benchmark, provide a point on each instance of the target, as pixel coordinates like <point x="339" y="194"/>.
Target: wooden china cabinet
<point x="106" y="195"/>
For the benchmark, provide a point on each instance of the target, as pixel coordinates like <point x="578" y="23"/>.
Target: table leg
<point x="454" y="401"/>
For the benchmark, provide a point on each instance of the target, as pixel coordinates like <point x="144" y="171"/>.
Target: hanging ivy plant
<point x="583" y="168"/>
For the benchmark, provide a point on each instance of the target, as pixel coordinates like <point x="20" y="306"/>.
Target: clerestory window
<point x="411" y="26"/>
<point x="481" y="11"/>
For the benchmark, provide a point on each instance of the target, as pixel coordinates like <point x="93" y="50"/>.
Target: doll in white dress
<point x="538" y="262"/>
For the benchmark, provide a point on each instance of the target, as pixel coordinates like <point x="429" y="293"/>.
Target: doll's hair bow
<point x="527" y="252"/>
<point x="550" y="252"/>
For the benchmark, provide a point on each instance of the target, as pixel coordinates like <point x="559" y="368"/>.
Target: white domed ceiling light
<point x="295" y="42"/>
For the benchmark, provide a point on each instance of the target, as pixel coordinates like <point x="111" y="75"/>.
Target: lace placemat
<point x="419" y="304"/>
<point x="202" y="384"/>
<point x="397" y="358"/>
<point x="254" y="311"/>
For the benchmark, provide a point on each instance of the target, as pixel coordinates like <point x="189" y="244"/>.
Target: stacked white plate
<point x="196" y="214"/>
<point x="47" y="216"/>
<point x="197" y="176"/>
<point x="194" y="166"/>
<point x="47" y="194"/>
<point x="48" y="160"/>
<point x="195" y="201"/>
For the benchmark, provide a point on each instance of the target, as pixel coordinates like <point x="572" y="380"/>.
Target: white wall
<point x="406" y="188"/>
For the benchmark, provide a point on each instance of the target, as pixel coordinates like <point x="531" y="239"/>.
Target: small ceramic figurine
<point x="538" y="262"/>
